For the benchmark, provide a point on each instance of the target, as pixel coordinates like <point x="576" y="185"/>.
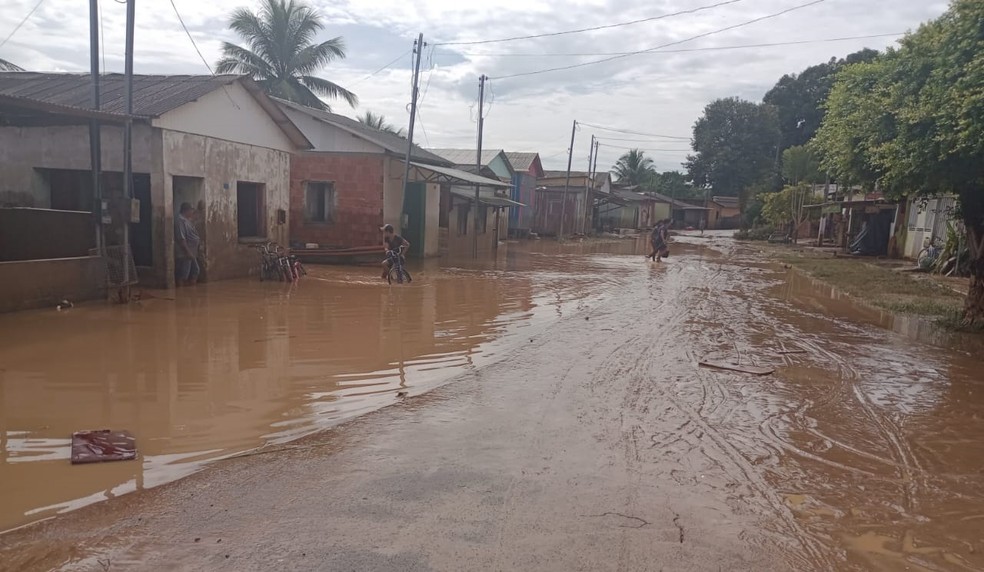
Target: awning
<point x="435" y="174"/>
<point x="487" y="199"/>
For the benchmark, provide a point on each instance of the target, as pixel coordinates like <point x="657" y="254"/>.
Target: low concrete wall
<point x="43" y="283"/>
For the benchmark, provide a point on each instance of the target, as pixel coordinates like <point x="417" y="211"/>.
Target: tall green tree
<point x="378" y="122"/>
<point x="799" y="98"/>
<point x="672" y="184"/>
<point x="7" y="66"/>
<point x="735" y="144"/>
<point x="634" y="168"/>
<point x="912" y="121"/>
<point x="800" y="165"/>
<point x="281" y="53"/>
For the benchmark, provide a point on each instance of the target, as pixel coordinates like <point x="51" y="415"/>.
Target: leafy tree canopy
<point x="734" y="147"/>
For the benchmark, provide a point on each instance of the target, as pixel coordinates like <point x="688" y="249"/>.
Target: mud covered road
<point x="590" y="439"/>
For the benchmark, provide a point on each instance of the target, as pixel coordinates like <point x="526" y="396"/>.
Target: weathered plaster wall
<point x="222" y="164"/>
<point x="25" y="149"/>
<point x="327" y="137"/>
<point x="358" y="183"/>
<point x="229" y="114"/>
<point x="393" y="206"/>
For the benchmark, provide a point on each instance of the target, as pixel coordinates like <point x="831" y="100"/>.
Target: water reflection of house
<point x="352" y="182"/>
<point x="216" y="142"/>
<point x="458" y="200"/>
<point x="723" y="213"/>
<point x="528" y="170"/>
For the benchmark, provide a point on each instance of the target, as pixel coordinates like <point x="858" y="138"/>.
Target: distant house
<point x="528" y="170"/>
<point x="579" y="191"/>
<point x="217" y="142"/>
<point x="723" y="213"/>
<point x="458" y="201"/>
<point x="351" y="183"/>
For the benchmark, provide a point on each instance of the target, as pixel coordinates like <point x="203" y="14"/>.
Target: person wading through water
<point x="394" y="242"/>
<point x="657" y="240"/>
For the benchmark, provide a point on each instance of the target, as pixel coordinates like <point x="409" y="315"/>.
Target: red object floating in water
<point x="102" y="446"/>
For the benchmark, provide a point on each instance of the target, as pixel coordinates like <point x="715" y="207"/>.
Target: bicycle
<point x="928" y="255"/>
<point x="397" y="271"/>
<point x="277" y="264"/>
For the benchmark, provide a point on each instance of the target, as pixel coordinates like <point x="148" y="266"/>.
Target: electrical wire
<point x="630" y="132"/>
<point x="21" y="23"/>
<point x="647" y="140"/>
<point x="193" y="43"/>
<point x="593" y="28"/>
<point x="655" y="48"/>
<point x="681" y="50"/>
<point x="398" y="58"/>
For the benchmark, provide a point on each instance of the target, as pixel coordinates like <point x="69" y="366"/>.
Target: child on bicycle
<point x="394" y="242"/>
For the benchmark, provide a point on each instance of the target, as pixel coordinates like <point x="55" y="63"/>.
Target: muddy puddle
<point x="228" y="367"/>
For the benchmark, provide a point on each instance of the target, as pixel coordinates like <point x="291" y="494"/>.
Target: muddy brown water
<point x="865" y="450"/>
<point x="232" y="366"/>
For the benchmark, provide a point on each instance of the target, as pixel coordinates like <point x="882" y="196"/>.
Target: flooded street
<point x="557" y="419"/>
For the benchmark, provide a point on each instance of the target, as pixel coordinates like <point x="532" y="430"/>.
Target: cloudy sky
<point x="656" y="93"/>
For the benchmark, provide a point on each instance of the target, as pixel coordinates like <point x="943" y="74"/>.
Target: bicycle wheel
<point x="398" y="275"/>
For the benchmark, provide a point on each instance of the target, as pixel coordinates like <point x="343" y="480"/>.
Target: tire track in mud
<point x="635" y="360"/>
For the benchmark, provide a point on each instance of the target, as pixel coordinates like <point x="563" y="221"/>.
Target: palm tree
<point x="370" y="119"/>
<point x="634" y="168"/>
<point x="280" y="53"/>
<point x="7" y="66"/>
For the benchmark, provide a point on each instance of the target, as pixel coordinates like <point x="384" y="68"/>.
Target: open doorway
<point x="190" y="190"/>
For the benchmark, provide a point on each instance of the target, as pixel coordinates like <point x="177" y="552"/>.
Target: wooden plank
<point x="750" y="369"/>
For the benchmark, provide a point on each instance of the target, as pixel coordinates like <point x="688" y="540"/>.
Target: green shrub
<point x="760" y="233"/>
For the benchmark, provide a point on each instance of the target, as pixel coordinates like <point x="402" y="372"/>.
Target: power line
<point x="593" y="28"/>
<point x="655" y="48"/>
<point x="398" y="58"/>
<point x="193" y="43"/>
<point x="648" y="140"/>
<point x="21" y="23"/>
<point x="681" y="50"/>
<point x="643" y="148"/>
<point x="630" y="132"/>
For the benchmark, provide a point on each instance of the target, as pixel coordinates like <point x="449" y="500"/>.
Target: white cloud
<point x="652" y="93"/>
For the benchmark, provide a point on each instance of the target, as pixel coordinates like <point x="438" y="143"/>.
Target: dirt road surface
<point x="572" y="430"/>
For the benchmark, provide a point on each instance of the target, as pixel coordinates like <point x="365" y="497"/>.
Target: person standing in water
<point x="657" y="241"/>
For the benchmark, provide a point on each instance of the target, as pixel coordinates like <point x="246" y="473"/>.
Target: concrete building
<point x="927" y="222"/>
<point x="217" y="142"/>
<point x="723" y="213"/>
<point x="528" y="169"/>
<point x="582" y="190"/>
<point x="458" y="201"/>
<point x="352" y="181"/>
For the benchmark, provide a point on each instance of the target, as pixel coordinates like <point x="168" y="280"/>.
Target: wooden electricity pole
<point x="567" y="183"/>
<point x="418" y="48"/>
<point x="478" y="159"/>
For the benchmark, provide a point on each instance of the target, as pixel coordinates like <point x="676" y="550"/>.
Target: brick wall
<point x="358" y="182"/>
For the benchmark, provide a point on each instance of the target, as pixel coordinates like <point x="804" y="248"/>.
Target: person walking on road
<point x="658" y="240"/>
<point x="186" y="242"/>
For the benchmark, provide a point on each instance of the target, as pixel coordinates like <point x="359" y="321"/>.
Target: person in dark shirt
<point x="394" y="242"/>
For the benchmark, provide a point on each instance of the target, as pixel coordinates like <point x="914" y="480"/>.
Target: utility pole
<point x="128" y="144"/>
<point x="567" y="183"/>
<point x="589" y="185"/>
<point x="478" y="157"/>
<point x="95" y="144"/>
<point x="418" y="48"/>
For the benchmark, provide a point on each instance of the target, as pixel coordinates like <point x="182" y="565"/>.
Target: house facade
<point x="723" y="213"/>
<point x="494" y="204"/>
<point x="927" y="222"/>
<point x="584" y="189"/>
<point x="217" y="142"/>
<point x="528" y="169"/>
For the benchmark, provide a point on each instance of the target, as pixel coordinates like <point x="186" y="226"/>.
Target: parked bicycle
<point x="928" y="255"/>
<point x="277" y="264"/>
<point x="397" y="272"/>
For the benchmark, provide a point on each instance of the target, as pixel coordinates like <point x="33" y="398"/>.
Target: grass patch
<point x="886" y="288"/>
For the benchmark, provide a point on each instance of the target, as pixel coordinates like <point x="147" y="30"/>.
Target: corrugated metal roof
<point x="521" y="161"/>
<point x="490" y="200"/>
<point x="153" y="95"/>
<point x="466" y="156"/>
<point x="458" y="176"/>
<point x="727" y="202"/>
<point x="393" y="143"/>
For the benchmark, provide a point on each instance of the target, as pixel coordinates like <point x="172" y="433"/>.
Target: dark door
<point x="415" y="210"/>
<point x="141" y="234"/>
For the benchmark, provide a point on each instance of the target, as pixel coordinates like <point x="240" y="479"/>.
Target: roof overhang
<point x="33" y="105"/>
<point x="447" y="175"/>
<point x="490" y="200"/>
